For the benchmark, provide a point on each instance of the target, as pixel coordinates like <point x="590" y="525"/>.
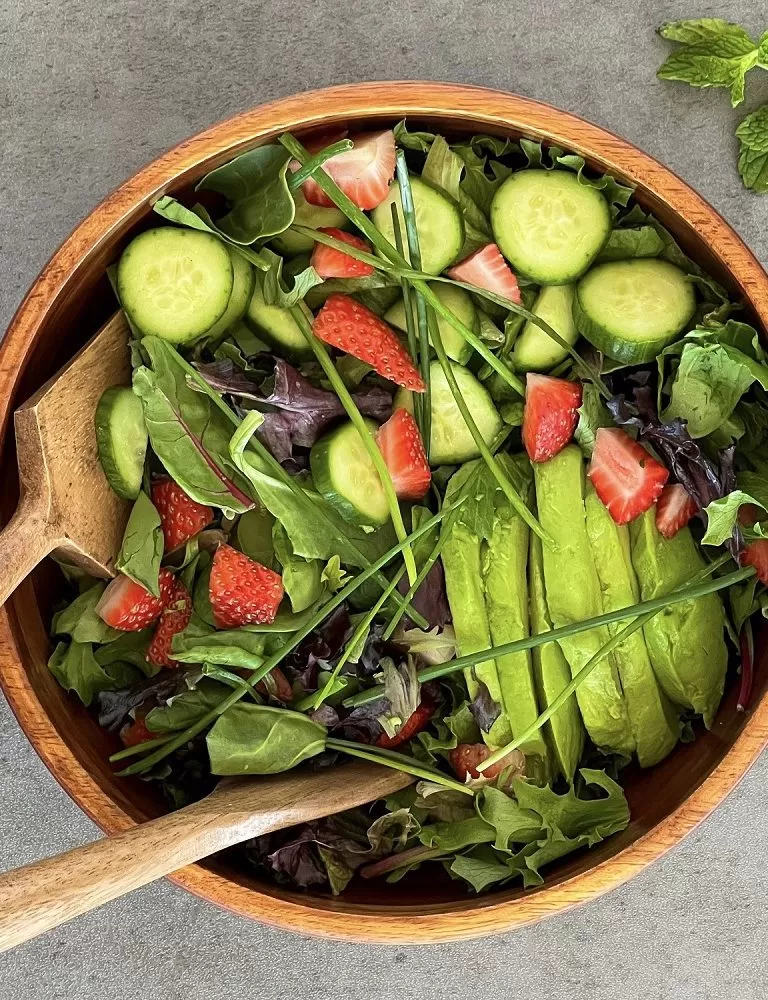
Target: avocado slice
<point x="573" y="594"/>
<point x="651" y="715"/>
<point x="565" y="730"/>
<point x="686" y="641"/>
<point x="462" y="566"/>
<point x="506" y="596"/>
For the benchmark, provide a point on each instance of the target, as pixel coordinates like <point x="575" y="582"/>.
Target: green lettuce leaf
<point x="302" y="578"/>
<point x="644" y="241"/>
<point x="452" y="837"/>
<point x="591" y="818"/>
<point x="128" y="648"/>
<point x="513" y="823"/>
<point x="481" y="868"/>
<point x="75" y="667"/>
<point x="592" y="416"/>
<point x="709" y="382"/>
<point x="723" y="516"/>
<point x="260" y="739"/>
<point x="142" y="549"/>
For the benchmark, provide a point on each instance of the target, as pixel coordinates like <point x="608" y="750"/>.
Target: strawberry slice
<point x="550" y="415"/>
<point x="674" y="509"/>
<point x="487" y="269"/>
<point x="626" y="477"/>
<point x="135" y="733"/>
<point x="465" y="758"/>
<point x="174" y="618"/>
<point x="242" y="591"/>
<point x="181" y="517"/>
<point x="127" y="606"/>
<point x="756" y="554"/>
<point x="414" y="724"/>
<point x="363" y="173"/>
<point x="400" y="443"/>
<point x="332" y="263"/>
<point x="351" y="327"/>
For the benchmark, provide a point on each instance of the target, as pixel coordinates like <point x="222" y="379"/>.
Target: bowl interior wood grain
<point x="71" y="298"/>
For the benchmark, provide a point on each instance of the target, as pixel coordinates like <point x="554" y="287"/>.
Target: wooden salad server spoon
<point x="43" y="895"/>
<point x="66" y="505"/>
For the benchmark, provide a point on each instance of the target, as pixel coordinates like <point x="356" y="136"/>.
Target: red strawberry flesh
<point x="674" y="509"/>
<point x="486" y="268"/>
<point x="181" y="517"/>
<point x="626" y="477"/>
<point x="363" y="173"/>
<point x="550" y="415"/>
<point x="174" y="618"/>
<point x="332" y="263"/>
<point x="351" y="327"/>
<point x="127" y="606"/>
<point x="401" y="446"/>
<point x="242" y="591"/>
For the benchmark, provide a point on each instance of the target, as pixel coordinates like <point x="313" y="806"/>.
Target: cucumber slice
<point x="313" y="216"/>
<point x="461" y="305"/>
<point x="535" y="350"/>
<point x="439" y="222"/>
<point x="276" y="325"/>
<point x="242" y="289"/>
<point x="450" y="440"/>
<point x="343" y="472"/>
<point x="175" y="283"/>
<point x="631" y="309"/>
<point x="121" y="438"/>
<point x="549" y="225"/>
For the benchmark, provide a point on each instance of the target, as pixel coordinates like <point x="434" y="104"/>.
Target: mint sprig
<point x="753" y="147"/>
<point x="712" y="53"/>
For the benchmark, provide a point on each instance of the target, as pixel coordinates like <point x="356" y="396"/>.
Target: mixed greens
<point x="431" y="446"/>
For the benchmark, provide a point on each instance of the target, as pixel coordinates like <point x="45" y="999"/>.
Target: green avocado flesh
<point x="651" y="715"/>
<point x="573" y="594"/>
<point x="686" y="642"/>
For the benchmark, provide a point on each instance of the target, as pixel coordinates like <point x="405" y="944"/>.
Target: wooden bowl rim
<point x="391" y="101"/>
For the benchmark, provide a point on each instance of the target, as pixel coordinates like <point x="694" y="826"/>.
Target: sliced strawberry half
<point x="363" y="173"/>
<point x="466" y="757"/>
<point x="351" y="327"/>
<point x="756" y="554"/>
<point x="127" y="606"/>
<point x="550" y="415"/>
<point x="626" y="477"/>
<point x="486" y="268"/>
<point x="181" y="517"/>
<point x="242" y="591"/>
<point x="174" y="618"/>
<point x="135" y="733"/>
<point x="400" y="443"/>
<point x="674" y="509"/>
<point x="332" y="263"/>
<point x="414" y="724"/>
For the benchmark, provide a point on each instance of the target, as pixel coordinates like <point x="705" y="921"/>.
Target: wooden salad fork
<point x="43" y="895"/>
<point x="66" y="505"/>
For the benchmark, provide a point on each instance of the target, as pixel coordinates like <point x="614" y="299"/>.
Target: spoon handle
<point x="25" y="541"/>
<point x="40" y="896"/>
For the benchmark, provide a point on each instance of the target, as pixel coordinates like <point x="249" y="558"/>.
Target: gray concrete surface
<point x="91" y="91"/>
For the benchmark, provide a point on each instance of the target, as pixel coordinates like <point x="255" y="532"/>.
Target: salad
<point x="442" y="455"/>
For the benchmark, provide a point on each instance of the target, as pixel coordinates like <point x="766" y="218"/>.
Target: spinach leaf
<point x="723" y="516"/>
<point x="315" y="529"/>
<point x="254" y="535"/>
<point x="142" y="550"/>
<point x="187" y="707"/>
<point x="75" y="668"/>
<point x="512" y="823"/>
<point x="79" y="619"/>
<point x="188" y="433"/>
<point x="752" y="134"/>
<point x="708" y="384"/>
<point x="254" y="183"/>
<point x="301" y="577"/>
<point x="128" y="647"/>
<point x="260" y="739"/>
<point x="172" y="210"/>
<point x="232" y="648"/>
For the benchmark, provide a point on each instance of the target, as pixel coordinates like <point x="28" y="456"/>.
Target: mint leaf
<point x="762" y="51"/>
<point x="723" y="515"/>
<point x="714" y="53"/>
<point x="752" y="134"/>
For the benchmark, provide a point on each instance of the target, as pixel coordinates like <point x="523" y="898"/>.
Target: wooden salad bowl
<point x="68" y="303"/>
